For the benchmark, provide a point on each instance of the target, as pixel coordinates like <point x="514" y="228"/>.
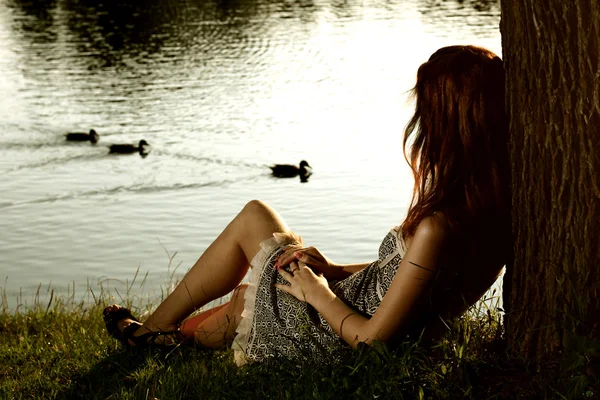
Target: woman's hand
<point x="304" y="284"/>
<point x="313" y="259"/>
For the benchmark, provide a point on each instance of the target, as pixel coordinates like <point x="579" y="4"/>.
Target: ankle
<point x="145" y="328"/>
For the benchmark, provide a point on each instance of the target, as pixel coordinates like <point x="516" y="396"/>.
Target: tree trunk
<point x="550" y="50"/>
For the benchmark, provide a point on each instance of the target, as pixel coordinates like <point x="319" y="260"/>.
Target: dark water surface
<point x="220" y="89"/>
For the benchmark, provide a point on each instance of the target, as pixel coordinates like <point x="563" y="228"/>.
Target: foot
<point x="122" y="325"/>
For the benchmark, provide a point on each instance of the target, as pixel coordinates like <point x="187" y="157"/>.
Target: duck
<point x="128" y="148"/>
<point x="92" y="136"/>
<point x="289" y="171"/>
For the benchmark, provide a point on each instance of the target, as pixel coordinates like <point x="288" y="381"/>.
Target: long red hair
<point x="459" y="135"/>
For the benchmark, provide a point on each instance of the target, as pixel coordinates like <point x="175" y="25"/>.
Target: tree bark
<point x="551" y="55"/>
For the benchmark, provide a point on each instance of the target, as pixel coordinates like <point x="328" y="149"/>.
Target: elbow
<point x="368" y="341"/>
<point x="370" y="338"/>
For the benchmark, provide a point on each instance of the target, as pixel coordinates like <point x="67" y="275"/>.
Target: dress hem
<point x="259" y="263"/>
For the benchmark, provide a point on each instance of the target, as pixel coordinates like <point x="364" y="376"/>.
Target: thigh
<point x="218" y="328"/>
<point x="189" y="325"/>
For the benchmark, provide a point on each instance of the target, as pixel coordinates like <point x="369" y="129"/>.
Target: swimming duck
<point x="128" y="148"/>
<point x="290" y="171"/>
<point x="92" y="136"/>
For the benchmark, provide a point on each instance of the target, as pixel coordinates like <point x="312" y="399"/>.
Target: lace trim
<point x="259" y="263"/>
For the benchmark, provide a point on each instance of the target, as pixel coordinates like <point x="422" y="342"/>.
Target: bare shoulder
<point x="430" y="240"/>
<point x="434" y="229"/>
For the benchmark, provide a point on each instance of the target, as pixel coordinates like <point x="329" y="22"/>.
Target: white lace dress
<point x="275" y="323"/>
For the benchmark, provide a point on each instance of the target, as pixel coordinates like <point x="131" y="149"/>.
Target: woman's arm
<point x="349" y="269"/>
<point x="316" y="261"/>
<point x="415" y="273"/>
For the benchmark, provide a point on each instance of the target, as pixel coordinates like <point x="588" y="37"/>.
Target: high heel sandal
<point x="111" y="319"/>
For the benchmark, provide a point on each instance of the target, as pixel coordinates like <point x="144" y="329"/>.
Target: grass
<point x="59" y="349"/>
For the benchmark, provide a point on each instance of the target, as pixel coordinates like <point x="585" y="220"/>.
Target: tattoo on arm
<point x="420" y="266"/>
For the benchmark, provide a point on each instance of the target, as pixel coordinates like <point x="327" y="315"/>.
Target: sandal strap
<point x="145" y="339"/>
<point x="129" y="330"/>
<point x="112" y="318"/>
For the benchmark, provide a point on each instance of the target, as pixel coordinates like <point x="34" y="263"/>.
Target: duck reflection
<point x="127" y="148"/>
<point x="91" y="136"/>
<point x="303" y="170"/>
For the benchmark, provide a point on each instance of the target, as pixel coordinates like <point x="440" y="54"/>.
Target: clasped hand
<point x="313" y="259"/>
<point x="304" y="284"/>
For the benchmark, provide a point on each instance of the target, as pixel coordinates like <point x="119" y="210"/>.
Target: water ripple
<point x="57" y="161"/>
<point x="139" y="188"/>
<point x="220" y="89"/>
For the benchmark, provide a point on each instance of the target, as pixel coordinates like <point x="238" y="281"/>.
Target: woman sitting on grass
<point x="439" y="261"/>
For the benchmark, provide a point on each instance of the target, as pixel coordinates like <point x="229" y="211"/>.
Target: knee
<point x="256" y="209"/>
<point x="255" y="206"/>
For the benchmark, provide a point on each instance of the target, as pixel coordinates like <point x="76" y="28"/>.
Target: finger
<point x="287" y="253"/>
<point x="287" y="257"/>
<point x="285" y="275"/>
<point x="308" y="265"/>
<point x="294" y="267"/>
<point x="303" y="256"/>
<point x="291" y="247"/>
<point x="310" y="251"/>
<point x="285" y="288"/>
<point x="308" y="258"/>
<point x="302" y="267"/>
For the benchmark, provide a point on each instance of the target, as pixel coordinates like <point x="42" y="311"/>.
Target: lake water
<point x="220" y="90"/>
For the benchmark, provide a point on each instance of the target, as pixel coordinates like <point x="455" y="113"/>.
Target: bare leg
<point x="220" y="269"/>
<point x="189" y="325"/>
<point x="217" y="328"/>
